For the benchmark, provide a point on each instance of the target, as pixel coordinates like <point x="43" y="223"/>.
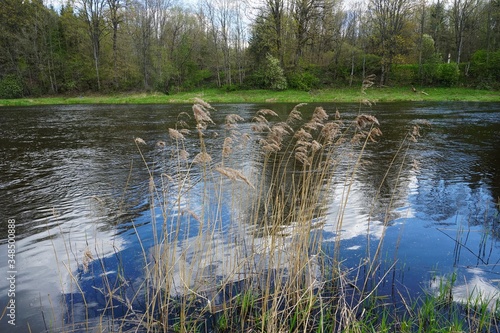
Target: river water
<point x="73" y="179"/>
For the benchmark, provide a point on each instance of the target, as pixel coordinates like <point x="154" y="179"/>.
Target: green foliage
<point x="485" y="68"/>
<point x="11" y="87"/>
<point x="49" y="50"/>
<point x="274" y="76"/>
<point x="197" y="77"/>
<point x="439" y="74"/>
<point x="442" y="74"/>
<point x="368" y="63"/>
<point x="447" y="74"/>
<point x="231" y="87"/>
<point x="270" y="75"/>
<point x="404" y="74"/>
<point x="302" y="81"/>
<point x="428" y="48"/>
<point x="428" y="73"/>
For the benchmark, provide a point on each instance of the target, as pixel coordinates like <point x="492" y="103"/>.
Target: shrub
<point x="11" y="87"/>
<point x="302" y="81"/>
<point x="485" y="68"/>
<point x="429" y="73"/>
<point x="404" y="74"/>
<point x="448" y="74"/>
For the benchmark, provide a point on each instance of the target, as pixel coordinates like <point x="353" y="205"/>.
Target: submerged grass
<point x="346" y="94"/>
<point x="239" y="248"/>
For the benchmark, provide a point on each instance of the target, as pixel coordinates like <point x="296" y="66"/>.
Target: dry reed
<point x="261" y="267"/>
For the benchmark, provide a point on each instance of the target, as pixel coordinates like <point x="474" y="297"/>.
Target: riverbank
<point x="349" y="95"/>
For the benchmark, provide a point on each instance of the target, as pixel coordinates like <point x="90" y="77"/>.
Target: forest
<point x="166" y="46"/>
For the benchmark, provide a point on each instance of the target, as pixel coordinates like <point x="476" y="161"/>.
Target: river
<point x="74" y="180"/>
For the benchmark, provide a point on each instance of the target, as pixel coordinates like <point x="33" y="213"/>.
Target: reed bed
<point x="238" y="247"/>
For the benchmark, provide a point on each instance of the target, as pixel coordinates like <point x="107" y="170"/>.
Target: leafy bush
<point x="11" y="87"/>
<point x="254" y="80"/>
<point x="448" y="74"/>
<point x="485" y="68"/>
<point x="302" y="81"/>
<point x="429" y="73"/>
<point x="404" y="74"/>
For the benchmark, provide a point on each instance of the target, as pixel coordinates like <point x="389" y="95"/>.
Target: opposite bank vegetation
<point x="341" y="95"/>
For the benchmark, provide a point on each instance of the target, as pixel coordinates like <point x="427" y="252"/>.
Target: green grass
<point x="352" y="95"/>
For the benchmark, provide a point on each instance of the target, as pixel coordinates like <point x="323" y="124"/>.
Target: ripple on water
<point x="74" y="180"/>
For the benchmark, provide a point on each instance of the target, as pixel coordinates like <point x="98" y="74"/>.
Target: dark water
<point x="72" y="178"/>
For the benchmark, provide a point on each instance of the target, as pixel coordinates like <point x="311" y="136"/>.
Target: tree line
<point x="77" y="46"/>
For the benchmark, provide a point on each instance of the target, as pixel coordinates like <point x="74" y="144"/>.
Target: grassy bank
<point x="259" y="96"/>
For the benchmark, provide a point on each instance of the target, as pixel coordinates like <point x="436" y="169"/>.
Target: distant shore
<point x="348" y="95"/>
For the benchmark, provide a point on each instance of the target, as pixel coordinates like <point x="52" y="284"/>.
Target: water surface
<point x="73" y="179"/>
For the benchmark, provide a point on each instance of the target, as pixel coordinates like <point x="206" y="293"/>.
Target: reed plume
<point x="364" y="120"/>
<point x="175" y="134"/>
<point x="140" y="141"/>
<point x="202" y="158"/>
<point x="317" y="120"/>
<point x="204" y="104"/>
<point x="232" y="120"/>
<point x="183" y="154"/>
<point x="330" y="132"/>
<point x="295" y="115"/>
<point x="87" y="258"/>
<point x="233" y="174"/>
<point x="202" y="115"/>
<point x="267" y="112"/>
<point x="368" y="82"/>
<point x="227" y="147"/>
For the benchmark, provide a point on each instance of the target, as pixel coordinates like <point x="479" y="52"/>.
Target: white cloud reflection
<point x="473" y="289"/>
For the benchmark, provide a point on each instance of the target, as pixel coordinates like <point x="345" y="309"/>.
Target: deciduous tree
<point x="390" y="18"/>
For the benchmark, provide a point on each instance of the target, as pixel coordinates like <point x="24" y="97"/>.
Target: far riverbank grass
<point x="348" y="95"/>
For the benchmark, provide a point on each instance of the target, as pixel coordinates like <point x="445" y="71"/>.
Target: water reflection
<point x="74" y="181"/>
<point x="469" y="288"/>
